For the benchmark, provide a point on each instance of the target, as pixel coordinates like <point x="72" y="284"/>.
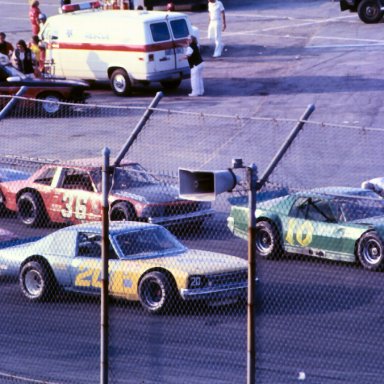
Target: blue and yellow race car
<point x="146" y="263"/>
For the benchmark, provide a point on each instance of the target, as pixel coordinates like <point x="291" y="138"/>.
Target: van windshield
<point x="179" y="28"/>
<point x="160" y="32"/>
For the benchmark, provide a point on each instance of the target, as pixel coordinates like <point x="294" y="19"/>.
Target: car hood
<point x="149" y="194"/>
<point x="195" y="262"/>
<point x="376" y="221"/>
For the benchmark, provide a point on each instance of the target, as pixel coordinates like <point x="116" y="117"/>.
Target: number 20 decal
<point x="88" y="277"/>
<point x="301" y="232"/>
<point x="74" y="206"/>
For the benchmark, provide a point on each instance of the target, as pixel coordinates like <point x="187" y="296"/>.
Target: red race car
<point x="49" y="90"/>
<point x="71" y="194"/>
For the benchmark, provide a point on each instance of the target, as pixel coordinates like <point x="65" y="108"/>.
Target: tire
<point x="369" y="11"/>
<point x="370" y="251"/>
<point x="53" y="107"/>
<point x="122" y="212"/>
<point x="36" y="281"/>
<point x="31" y="210"/>
<point x="120" y="83"/>
<point x="267" y="241"/>
<point x="156" y="292"/>
<point x="171" y="84"/>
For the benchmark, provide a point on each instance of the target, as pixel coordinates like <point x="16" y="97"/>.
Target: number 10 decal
<point x="74" y="206"/>
<point x="301" y="232"/>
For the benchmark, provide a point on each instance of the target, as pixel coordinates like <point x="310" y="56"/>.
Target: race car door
<point x="75" y="198"/>
<point x="313" y="230"/>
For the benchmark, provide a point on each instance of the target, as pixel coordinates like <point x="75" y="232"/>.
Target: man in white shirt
<point x="217" y="24"/>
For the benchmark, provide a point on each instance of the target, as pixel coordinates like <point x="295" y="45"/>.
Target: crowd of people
<point x="30" y="58"/>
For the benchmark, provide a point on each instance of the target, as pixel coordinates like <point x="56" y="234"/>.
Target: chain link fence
<point x="177" y="310"/>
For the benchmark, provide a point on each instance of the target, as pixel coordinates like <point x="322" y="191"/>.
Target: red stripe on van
<point x="120" y="47"/>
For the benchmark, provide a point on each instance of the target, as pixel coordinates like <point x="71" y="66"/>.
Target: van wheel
<point x="171" y="84"/>
<point x="120" y="83"/>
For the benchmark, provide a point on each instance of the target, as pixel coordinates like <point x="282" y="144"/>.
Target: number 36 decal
<point x="299" y="233"/>
<point x="74" y="206"/>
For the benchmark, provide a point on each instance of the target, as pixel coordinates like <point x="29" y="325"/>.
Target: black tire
<point x="170" y="84"/>
<point x="267" y="242"/>
<point x="31" y="210"/>
<point x="370" y="251"/>
<point x="122" y="212"/>
<point x="36" y="281"/>
<point x="156" y="292"/>
<point x="52" y="106"/>
<point x="369" y="11"/>
<point x="120" y="83"/>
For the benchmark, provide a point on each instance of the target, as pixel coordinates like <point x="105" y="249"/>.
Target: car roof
<point x="87" y="163"/>
<point x="350" y="192"/>
<point x="115" y="227"/>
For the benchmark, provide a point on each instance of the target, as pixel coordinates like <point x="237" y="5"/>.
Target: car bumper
<point x="190" y="217"/>
<point x="227" y="293"/>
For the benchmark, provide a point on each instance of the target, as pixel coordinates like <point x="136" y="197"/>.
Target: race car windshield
<point x="153" y="242"/>
<point x="357" y="209"/>
<point x="132" y="176"/>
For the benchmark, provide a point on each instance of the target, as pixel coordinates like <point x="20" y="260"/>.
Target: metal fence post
<point x="251" y="345"/>
<point x="104" y="321"/>
<point x="12" y="103"/>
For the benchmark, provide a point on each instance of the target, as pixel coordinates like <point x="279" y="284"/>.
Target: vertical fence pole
<point x="104" y="323"/>
<point x="251" y="344"/>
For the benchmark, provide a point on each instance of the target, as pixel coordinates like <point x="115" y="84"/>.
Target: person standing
<point x="24" y="59"/>
<point x="217" y="24"/>
<point x="34" y="13"/>
<point x="6" y="48"/>
<point x="196" y="64"/>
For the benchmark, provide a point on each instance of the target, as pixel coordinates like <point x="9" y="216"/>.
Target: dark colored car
<point x="50" y="91"/>
<point x="369" y="11"/>
<point x="71" y="194"/>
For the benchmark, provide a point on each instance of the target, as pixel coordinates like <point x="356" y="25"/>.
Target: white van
<point x="125" y="47"/>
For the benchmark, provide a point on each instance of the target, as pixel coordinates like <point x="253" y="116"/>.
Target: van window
<point x="160" y="31"/>
<point x="179" y="28"/>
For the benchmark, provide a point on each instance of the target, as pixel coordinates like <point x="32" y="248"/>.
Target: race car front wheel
<point x="267" y="240"/>
<point x="31" y="210"/>
<point x="370" y="251"/>
<point x="36" y="281"/>
<point x="156" y="292"/>
<point x="122" y="212"/>
<point x="120" y="83"/>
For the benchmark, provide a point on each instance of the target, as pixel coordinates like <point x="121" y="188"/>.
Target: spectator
<point x="38" y="49"/>
<point x="34" y="13"/>
<point x="24" y="59"/>
<point x="6" y="48"/>
<point x="171" y="7"/>
<point x="217" y="24"/>
<point x="196" y="64"/>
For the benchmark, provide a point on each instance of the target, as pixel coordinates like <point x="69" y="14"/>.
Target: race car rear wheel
<point x="156" y="292"/>
<point x="267" y="240"/>
<point x="122" y="212"/>
<point x="120" y="83"/>
<point x="36" y="281"/>
<point x="370" y="251"/>
<point x="31" y="210"/>
<point x="369" y="11"/>
<point x="51" y="105"/>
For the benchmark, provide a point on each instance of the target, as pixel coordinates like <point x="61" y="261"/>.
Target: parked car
<point x="345" y="224"/>
<point x="369" y="11"/>
<point x="49" y="91"/>
<point x="71" y="194"/>
<point x="146" y="263"/>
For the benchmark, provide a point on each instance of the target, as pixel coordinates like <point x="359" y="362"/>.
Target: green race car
<point x="336" y="223"/>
